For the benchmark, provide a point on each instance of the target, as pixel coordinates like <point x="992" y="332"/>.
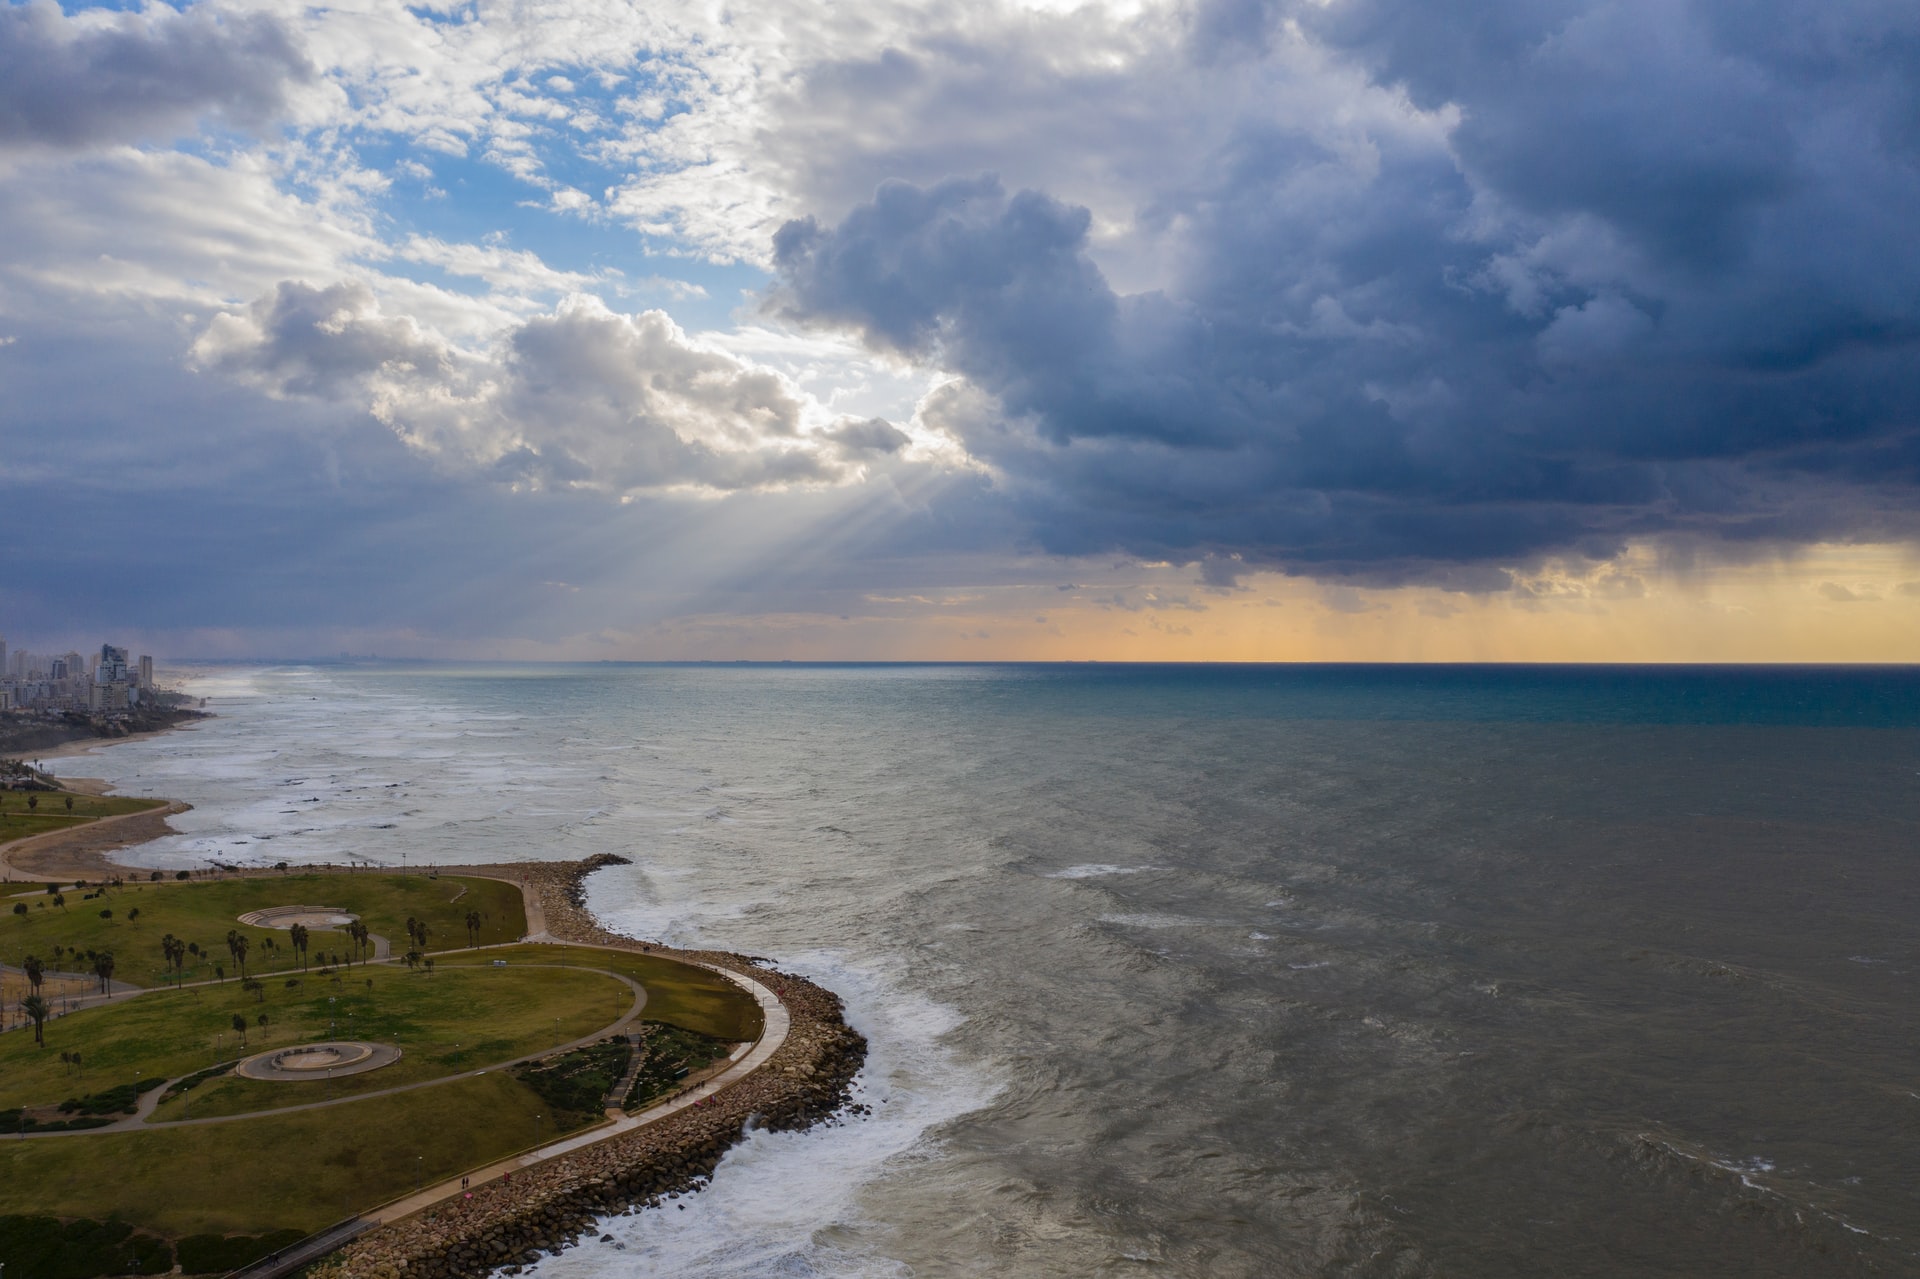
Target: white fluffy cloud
<point x="579" y="398"/>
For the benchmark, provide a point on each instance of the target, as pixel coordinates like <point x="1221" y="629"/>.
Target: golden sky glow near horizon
<point x="1828" y="604"/>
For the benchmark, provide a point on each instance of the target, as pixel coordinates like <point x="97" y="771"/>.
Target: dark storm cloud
<point x="1661" y="281"/>
<point x="99" y="77"/>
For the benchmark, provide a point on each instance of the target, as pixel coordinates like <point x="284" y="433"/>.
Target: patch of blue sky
<point x="467" y="199"/>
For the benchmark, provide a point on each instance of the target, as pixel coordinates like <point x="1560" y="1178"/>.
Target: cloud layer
<point x="104" y="76"/>
<point x="856" y="302"/>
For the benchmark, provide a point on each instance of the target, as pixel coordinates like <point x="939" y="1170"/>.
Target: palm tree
<point x="299" y="935"/>
<point x="173" y="950"/>
<point x="34" y="970"/>
<point x="36" y="1008"/>
<point x="103" y="969"/>
<point x="237" y="945"/>
<point x="69" y="803"/>
<point x="473" y="927"/>
<point x="239" y="1023"/>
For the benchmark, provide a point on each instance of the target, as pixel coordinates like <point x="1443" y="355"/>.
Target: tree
<point x="37" y="1008"/>
<point x="237" y="946"/>
<point x="298" y="934"/>
<point x="19" y="908"/>
<point x="33" y="801"/>
<point x="239" y="1023"/>
<point x="60" y="900"/>
<point x="256" y="988"/>
<point x="107" y="915"/>
<point x="427" y="963"/>
<point x="69" y="803"/>
<point x="133" y="914"/>
<point x="220" y="972"/>
<point x="174" y="950"/>
<point x="35" y="970"/>
<point x="473" y="927"/>
<point x="103" y="969"/>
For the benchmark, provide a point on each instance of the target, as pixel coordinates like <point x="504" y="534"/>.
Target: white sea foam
<point x="777" y="1196"/>
<point x="1150" y="919"/>
<point x="1094" y="870"/>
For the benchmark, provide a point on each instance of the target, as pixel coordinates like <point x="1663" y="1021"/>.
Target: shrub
<point x="49" y="1249"/>
<point x="217" y="1254"/>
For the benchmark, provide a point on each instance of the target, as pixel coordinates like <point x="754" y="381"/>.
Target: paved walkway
<point x="772" y="1036"/>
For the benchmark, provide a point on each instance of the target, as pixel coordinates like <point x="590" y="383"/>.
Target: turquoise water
<point x="1206" y="971"/>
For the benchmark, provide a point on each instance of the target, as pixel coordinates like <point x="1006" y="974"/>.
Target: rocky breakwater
<point x="552" y="1204"/>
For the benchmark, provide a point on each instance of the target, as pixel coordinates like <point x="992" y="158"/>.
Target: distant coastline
<point x="37" y="737"/>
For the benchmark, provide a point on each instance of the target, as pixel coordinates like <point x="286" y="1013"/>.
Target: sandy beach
<point x="88" y="745"/>
<point x="82" y="852"/>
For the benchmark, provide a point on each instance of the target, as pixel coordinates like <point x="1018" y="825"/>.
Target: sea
<point x="1201" y="970"/>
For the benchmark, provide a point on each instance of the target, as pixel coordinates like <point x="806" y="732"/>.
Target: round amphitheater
<point x="326" y="1060"/>
<point x="308" y="916"/>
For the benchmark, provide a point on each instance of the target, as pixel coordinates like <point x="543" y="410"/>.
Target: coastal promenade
<point x="797" y="1073"/>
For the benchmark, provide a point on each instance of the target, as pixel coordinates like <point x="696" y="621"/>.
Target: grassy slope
<point x="203" y="911"/>
<point x="299" y="1171"/>
<point x="17" y="821"/>
<point x="677" y="994"/>
<point x="493" y="1015"/>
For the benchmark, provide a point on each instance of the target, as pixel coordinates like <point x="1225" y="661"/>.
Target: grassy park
<point x="224" y="1165"/>
<point x="451" y="1020"/>
<point x="677" y="994"/>
<point x="25" y="813"/>
<point x="131" y="920"/>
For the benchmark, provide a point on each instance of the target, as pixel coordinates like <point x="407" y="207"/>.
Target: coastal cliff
<point x="553" y="1204"/>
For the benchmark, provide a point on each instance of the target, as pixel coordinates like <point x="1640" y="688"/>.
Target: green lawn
<point x="490" y="1014"/>
<point x="305" y="1170"/>
<point x="678" y="994"/>
<point x="300" y="1171"/>
<point x="203" y="911"/>
<point x="17" y="820"/>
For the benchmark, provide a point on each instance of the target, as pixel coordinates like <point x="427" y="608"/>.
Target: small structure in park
<point x="328" y="1060"/>
<point x="309" y="916"/>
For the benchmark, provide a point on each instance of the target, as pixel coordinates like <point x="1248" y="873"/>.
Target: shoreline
<point x="86" y="745"/>
<point x="81" y="852"/>
<point x="556" y="1196"/>
<point x="38" y="858"/>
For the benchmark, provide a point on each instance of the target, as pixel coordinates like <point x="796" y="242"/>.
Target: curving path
<point x="151" y="1099"/>
<point x="773" y="1034"/>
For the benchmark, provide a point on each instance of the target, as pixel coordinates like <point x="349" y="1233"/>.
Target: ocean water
<point x="1204" y="971"/>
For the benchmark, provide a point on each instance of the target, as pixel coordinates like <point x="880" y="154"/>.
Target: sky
<point x="1539" y="330"/>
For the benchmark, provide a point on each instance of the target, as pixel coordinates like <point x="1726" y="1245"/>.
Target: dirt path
<point x="80" y="852"/>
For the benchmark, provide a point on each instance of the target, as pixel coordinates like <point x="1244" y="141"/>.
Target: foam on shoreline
<point x="553" y="1204"/>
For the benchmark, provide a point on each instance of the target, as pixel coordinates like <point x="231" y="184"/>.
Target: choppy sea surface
<point x="1204" y="971"/>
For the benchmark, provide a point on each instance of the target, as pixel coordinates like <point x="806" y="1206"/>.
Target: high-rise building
<point x="146" y="671"/>
<point x="3" y="656"/>
<point x="112" y="668"/>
